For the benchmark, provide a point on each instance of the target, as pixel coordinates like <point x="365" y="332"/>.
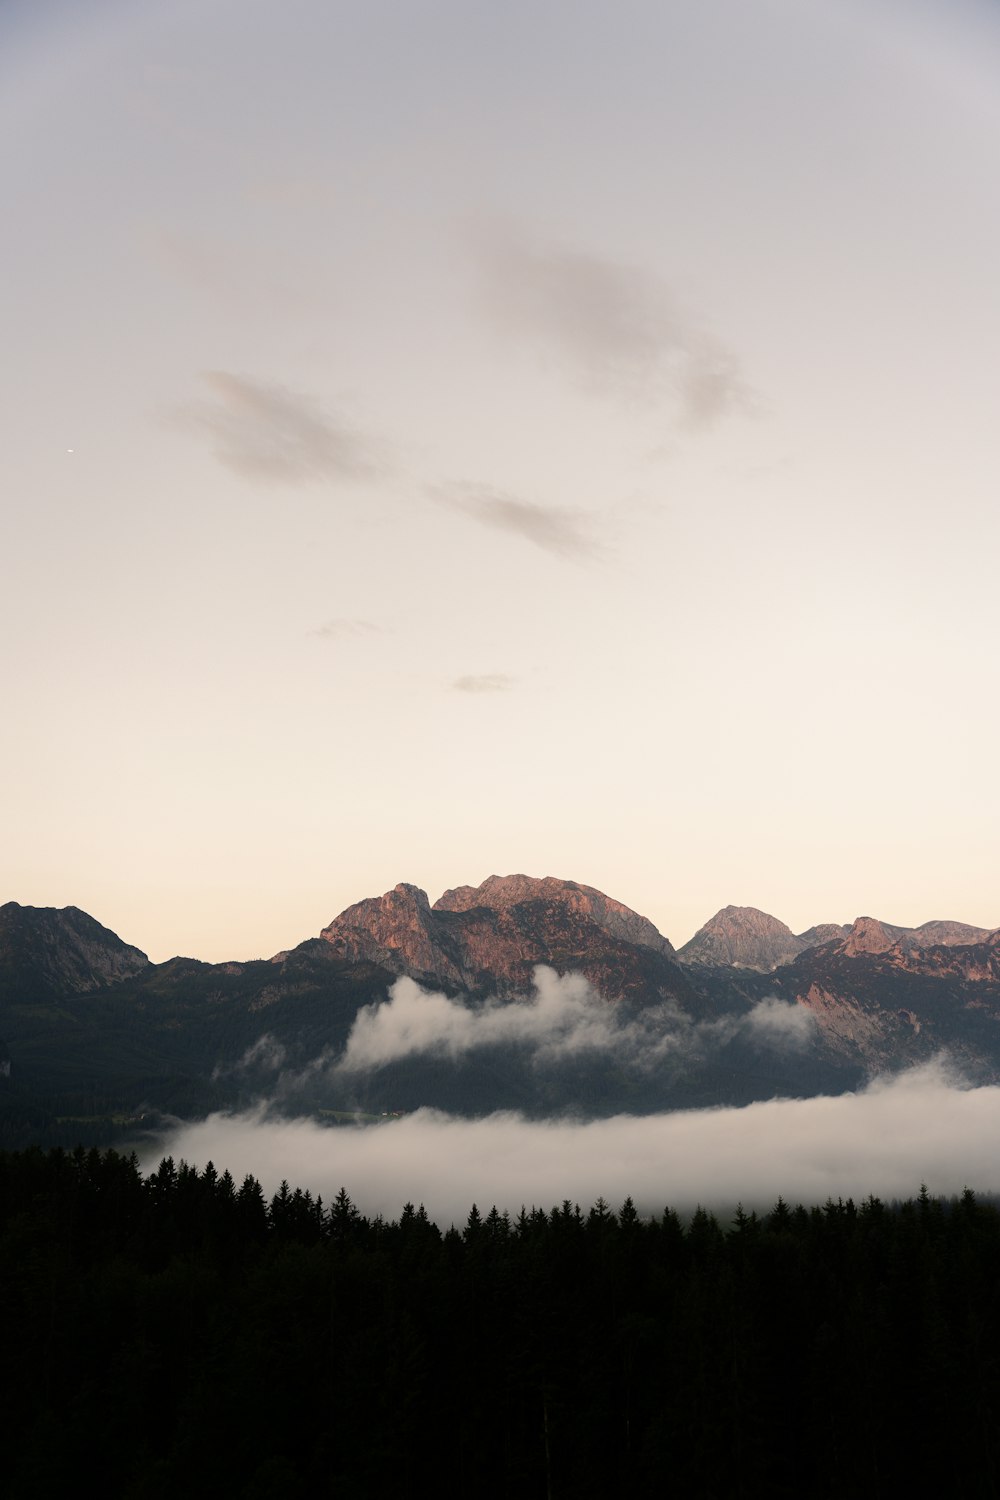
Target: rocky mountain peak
<point x="742" y="937"/>
<point x="47" y="950"/>
<point x="823" y="932"/>
<point x="949" y="934"/>
<point x="396" y="930"/>
<point x="502" y="893"/>
<point x="868" y="935"/>
<point x="489" y="938"/>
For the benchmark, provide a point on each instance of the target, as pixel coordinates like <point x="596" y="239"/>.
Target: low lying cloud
<point x="562" y="1019"/>
<point x="922" y="1126"/>
<point x="780" y="1024"/>
<point x="614" y="327"/>
<point x="266" y="1055"/>
<point x="563" y="532"/>
<point x="486" y="682"/>
<point x="268" y="1067"/>
<point x="271" y="435"/>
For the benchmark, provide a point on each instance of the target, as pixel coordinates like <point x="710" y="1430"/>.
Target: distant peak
<point x="869" y="935"/>
<point x="409" y="893"/>
<point x="823" y="932"/>
<point x="742" y="937"/>
<point x="504" y="892"/>
<point x="499" y="892"/>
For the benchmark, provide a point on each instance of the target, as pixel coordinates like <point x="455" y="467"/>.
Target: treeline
<point x="182" y="1334"/>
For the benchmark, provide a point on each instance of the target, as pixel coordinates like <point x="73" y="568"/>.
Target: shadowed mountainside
<point x="46" y="953"/>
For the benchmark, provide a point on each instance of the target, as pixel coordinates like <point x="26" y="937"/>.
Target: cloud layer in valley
<point x="921" y="1126"/>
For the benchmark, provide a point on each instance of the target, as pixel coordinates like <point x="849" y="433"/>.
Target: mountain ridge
<point x="745" y="937"/>
<point x="491" y="937"/>
<point x="93" y="1036"/>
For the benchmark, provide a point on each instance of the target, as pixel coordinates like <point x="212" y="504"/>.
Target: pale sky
<point x="446" y="438"/>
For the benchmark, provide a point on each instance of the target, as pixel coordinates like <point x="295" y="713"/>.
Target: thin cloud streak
<point x="922" y="1126"/>
<point x="561" y="531"/>
<point x="271" y="435"/>
<point x="486" y="682"/>
<point x="614" y="327"/>
<point x="340" y="630"/>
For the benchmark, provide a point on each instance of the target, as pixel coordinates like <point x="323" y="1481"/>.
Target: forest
<point x="179" y="1333"/>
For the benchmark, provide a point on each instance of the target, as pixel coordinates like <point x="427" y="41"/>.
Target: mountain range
<point x="95" y="1037"/>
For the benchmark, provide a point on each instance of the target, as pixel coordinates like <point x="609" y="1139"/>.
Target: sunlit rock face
<point x="490" y="937"/>
<point x="504" y="892"/>
<point x="398" y="931"/>
<point x="888" y="995"/>
<point x="913" y="946"/>
<point x="871" y="936"/>
<point x="45" y="950"/>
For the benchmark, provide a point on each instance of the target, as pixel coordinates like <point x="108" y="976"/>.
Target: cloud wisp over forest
<point x="921" y="1126"/>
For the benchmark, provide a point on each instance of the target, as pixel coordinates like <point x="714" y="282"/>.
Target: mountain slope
<point x="47" y="953"/>
<point x="887" y="1001"/>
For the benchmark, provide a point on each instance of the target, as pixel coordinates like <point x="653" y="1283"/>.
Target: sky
<point x="451" y="439"/>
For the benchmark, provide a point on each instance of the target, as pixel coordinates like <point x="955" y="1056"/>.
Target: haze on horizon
<point x="450" y="440"/>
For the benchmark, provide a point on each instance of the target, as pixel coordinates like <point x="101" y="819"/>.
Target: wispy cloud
<point x="271" y="435"/>
<point x="486" y="682"/>
<point x="564" y="532"/>
<point x="562" y="1019"/>
<point x="918" y="1127"/>
<point x="266" y="1055"/>
<point x="616" y="328"/>
<point x="779" y="1024"/>
<point x="341" y="630"/>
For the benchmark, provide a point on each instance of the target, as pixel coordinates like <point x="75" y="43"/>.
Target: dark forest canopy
<point x="180" y="1333"/>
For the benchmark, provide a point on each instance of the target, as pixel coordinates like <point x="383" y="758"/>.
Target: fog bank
<point x="921" y="1126"/>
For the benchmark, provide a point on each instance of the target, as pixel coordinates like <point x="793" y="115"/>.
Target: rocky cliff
<point x="490" y="937"/>
<point x="880" y="996"/>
